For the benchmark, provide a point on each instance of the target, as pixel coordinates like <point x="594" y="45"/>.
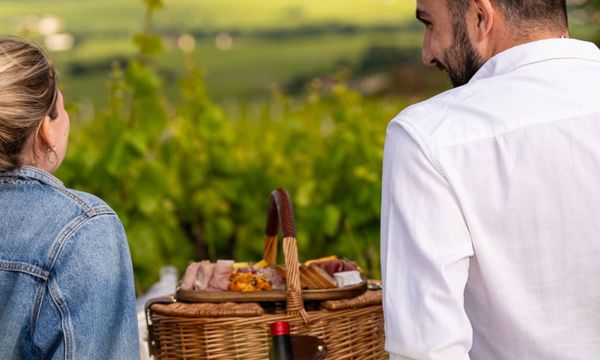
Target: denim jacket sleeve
<point x="91" y="292"/>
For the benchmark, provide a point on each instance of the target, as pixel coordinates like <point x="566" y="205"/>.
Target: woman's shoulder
<point x="43" y="217"/>
<point x="80" y="210"/>
<point x="29" y="185"/>
<point x="89" y="203"/>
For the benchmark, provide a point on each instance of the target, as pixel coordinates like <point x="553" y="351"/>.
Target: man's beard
<point x="461" y="60"/>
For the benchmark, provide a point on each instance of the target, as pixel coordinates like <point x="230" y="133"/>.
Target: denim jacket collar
<point x="31" y="172"/>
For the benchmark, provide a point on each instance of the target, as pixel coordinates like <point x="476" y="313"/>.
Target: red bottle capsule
<point x="281" y="348"/>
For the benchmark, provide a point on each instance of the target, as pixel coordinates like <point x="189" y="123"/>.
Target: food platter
<point x="258" y="296"/>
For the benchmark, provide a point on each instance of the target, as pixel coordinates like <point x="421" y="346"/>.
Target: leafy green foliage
<point x="593" y="7"/>
<point x="191" y="183"/>
<point x="154" y="5"/>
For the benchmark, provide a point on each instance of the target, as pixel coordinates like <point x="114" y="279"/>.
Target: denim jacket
<point x="66" y="279"/>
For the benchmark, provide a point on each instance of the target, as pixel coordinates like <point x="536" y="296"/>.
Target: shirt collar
<point x="535" y="52"/>
<point x="34" y="173"/>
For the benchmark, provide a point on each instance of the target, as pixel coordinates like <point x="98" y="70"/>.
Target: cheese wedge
<point x="261" y="264"/>
<point x="347" y="278"/>
<point x="321" y="259"/>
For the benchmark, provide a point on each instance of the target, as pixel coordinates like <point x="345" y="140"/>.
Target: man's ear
<point x="486" y="15"/>
<point x="46" y="134"/>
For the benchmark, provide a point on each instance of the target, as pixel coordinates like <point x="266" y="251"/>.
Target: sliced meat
<point x="277" y="282"/>
<point x="221" y="274"/>
<point x="187" y="282"/>
<point x="205" y="273"/>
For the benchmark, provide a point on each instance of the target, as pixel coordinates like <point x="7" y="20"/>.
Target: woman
<point x="66" y="280"/>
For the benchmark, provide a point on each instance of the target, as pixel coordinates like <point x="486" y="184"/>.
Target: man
<point x="491" y="191"/>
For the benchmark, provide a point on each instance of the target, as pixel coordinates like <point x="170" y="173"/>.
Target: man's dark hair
<point x="548" y="13"/>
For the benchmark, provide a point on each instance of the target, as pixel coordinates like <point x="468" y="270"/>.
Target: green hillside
<point x="271" y="42"/>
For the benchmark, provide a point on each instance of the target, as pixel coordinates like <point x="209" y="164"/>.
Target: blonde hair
<point x="28" y="93"/>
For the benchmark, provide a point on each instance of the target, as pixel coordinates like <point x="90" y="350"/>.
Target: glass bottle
<point x="281" y="348"/>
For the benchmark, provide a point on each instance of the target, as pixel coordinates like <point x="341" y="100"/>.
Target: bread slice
<point x="311" y="277"/>
<point x="314" y="278"/>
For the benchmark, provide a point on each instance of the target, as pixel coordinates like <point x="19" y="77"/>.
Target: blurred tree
<point x="592" y="11"/>
<point x="189" y="183"/>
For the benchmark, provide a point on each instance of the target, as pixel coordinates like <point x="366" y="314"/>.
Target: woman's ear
<point x="486" y="15"/>
<point x="46" y="134"/>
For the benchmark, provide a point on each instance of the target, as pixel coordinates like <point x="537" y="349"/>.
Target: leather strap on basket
<point x="280" y="213"/>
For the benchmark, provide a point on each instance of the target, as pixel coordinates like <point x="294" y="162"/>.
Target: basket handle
<point x="281" y="214"/>
<point x="279" y="211"/>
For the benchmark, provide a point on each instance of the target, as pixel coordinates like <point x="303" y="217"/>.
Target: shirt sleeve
<point x="425" y="250"/>
<point x="91" y="296"/>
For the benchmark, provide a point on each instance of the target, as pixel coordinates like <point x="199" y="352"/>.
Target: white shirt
<point x="490" y="219"/>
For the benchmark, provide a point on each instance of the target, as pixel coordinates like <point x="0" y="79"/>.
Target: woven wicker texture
<point x="350" y="328"/>
<point x="367" y="299"/>
<point x="208" y="310"/>
<point x="349" y="334"/>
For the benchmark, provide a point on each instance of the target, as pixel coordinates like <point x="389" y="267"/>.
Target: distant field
<point x="118" y="16"/>
<point x="273" y="41"/>
<point x="248" y="68"/>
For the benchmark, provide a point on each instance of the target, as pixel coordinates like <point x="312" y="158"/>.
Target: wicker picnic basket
<point x="350" y="328"/>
